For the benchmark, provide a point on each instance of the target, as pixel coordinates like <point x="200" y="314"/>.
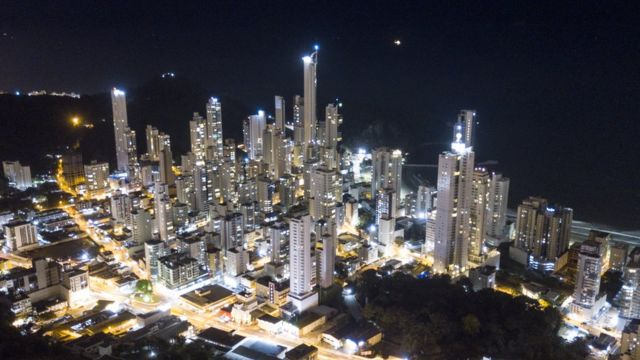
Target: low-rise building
<point x="483" y="277"/>
<point x="302" y="352"/>
<point x="209" y="298"/>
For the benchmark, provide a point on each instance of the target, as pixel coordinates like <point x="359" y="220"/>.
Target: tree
<point x="470" y="324"/>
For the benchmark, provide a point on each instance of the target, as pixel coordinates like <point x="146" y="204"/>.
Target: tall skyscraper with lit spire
<point x="121" y="128"/>
<point x="310" y="83"/>
<point x="455" y="179"/>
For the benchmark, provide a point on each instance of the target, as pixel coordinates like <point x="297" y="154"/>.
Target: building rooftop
<point x="226" y="339"/>
<point x="301" y="351"/>
<point x="174" y="261"/>
<point x="208" y="295"/>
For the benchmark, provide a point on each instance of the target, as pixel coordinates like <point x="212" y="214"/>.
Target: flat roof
<point x="208" y="295"/>
<point x="300" y="351"/>
<point x="220" y="337"/>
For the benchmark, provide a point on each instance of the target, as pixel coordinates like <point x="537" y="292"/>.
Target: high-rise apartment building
<point x="455" y="181"/>
<point x="497" y="201"/>
<point x="477" y="214"/>
<point x="198" y="135"/>
<point x="325" y="190"/>
<point x="386" y="169"/>
<point x="215" y="141"/>
<point x="301" y="278"/>
<point x="629" y="295"/>
<point x="542" y="230"/>
<point x="96" y="177"/>
<point x="333" y="119"/>
<point x="20" y="234"/>
<point x="585" y="295"/>
<point x="19" y="176"/>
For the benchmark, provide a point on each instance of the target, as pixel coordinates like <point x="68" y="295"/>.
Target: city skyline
<point x="411" y="190"/>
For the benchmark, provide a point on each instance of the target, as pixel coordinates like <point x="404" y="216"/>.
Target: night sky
<point x="556" y="87"/>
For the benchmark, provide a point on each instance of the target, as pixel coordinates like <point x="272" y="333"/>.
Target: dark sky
<point x="556" y="85"/>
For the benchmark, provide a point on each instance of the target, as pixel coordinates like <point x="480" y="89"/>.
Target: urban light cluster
<point x="236" y="243"/>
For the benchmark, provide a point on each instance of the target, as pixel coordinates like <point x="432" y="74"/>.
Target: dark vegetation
<point x="434" y="319"/>
<point x="18" y="346"/>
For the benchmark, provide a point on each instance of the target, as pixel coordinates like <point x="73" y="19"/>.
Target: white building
<point x="153" y="250"/>
<point x="253" y="130"/>
<point x="310" y="84"/>
<point x="333" y="119"/>
<point x="141" y="226"/>
<point x="233" y="231"/>
<point x="19" y="176"/>
<point x="280" y="112"/>
<point x="96" y="176"/>
<point x="497" y="201"/>
<point x="121" y="207"/>
<point x="386" y="169"/>
<point x="630" y="292"/>
<point x="587" y="288"/>
<point x="455" y="177"/>
<point x="20" y="234"/>
<point x="324" y="191"/>
<point x="121" y="128"/>
<point x="163" y="212"/>
<point x="301" y="278"/>
<point x="425" y="201"/>
<point x="237" y="260"/>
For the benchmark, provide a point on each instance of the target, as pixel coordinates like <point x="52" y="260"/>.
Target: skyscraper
<point x="198" y="135"/>
<point x="542" y="230"/>
<point x="298" y="120"/>
<point x="163" y="212"/>
<point x="387" y="169"/>
<point x="386" y="203"/>
<point x="214" y="128"/>
<point x="233" y="231"/>
<point x="588" y="280"/>
<point x="325" y="190"/>
<point x="19" y="176"/>
<point x="166" y="166"/>
<point x="326" y="248"/>
<point x="280" y="112"/>
<point x="253" y="130"/>
<point x="629" y="295"/>
<point x="477" y="214"/>
<point x="455" y="178"/>
<point x="497" y="205"/>
<point x="333" y="119"/>
<point x="301" y="284"/>
<point x="310" y="83"/>
<point x="141" y="226"/>
<point x="121" y="126"/>
<point x="133" y="170"/>
<point x="153" y="142"/>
